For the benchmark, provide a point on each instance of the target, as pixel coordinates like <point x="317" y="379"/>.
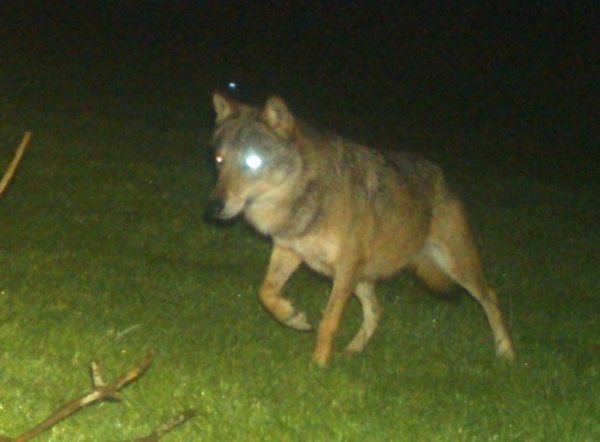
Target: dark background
<point x="510" y="83"/>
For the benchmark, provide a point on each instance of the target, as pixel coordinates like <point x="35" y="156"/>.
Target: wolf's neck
<point x="294" y="209"/>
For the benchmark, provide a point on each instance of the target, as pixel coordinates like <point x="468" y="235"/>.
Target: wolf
<point x="355" y="214"/>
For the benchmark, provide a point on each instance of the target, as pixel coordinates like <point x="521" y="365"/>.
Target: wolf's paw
<point x="358" y="343"/>
<point x="506" y="351"/>
<point x="298" y="321"/>
<point x="322" y="358"/>
<point x="351" y="350"/>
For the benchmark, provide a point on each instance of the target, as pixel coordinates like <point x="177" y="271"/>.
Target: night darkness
<point x="523" y="79"/>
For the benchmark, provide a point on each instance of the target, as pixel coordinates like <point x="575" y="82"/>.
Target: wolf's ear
<point x="224" y="107"/>
<point x="278" y="117"/>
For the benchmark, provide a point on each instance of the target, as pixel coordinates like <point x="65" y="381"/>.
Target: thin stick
<point x="15" y="162"/>
<point x="163" y="429"/>
<point x="101" y="391"/>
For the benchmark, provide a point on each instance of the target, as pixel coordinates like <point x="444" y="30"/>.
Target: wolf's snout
<point x="215" y="207"/>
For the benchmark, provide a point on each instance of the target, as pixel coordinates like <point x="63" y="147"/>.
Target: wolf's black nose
<point x="214" y="208"/>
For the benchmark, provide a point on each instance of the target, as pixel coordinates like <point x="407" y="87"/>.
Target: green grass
<point x="105" y="253"/>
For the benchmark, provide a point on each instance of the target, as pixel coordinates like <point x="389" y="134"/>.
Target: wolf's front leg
<point x="343" y="286"/>
<point x="282" y="264"/>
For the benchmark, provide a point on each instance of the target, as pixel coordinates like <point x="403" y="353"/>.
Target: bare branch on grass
<point x="100" y="391"/>
<point x="15" y="162"/>
<point x="161" y="430"/>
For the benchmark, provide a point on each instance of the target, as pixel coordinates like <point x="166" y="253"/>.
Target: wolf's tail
<point x="432" y="275"/>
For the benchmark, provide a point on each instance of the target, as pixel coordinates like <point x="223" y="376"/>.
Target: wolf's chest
<point x="319" y="252"/>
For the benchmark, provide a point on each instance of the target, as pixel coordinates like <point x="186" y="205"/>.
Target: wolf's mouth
<point x="214" y="208"/>
<point x="225" y="210"/>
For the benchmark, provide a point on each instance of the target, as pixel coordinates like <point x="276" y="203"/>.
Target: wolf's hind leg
<point x="452" y="249"/>
<point x="365" y="292"/>
<point x="282" y="264"/>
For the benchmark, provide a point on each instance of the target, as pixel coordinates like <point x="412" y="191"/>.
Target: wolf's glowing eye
<point x="253" y="161"/>
<point x="219" y="159"/>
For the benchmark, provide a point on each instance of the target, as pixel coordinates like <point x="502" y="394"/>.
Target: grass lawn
<point x="105" y="253"/>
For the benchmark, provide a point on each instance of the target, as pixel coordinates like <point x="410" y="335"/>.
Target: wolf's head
<point x="254" y="154"/>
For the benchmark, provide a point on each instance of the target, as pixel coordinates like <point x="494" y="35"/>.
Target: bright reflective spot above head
<point x="253" y="161"/>
<point x="232" y="86"/>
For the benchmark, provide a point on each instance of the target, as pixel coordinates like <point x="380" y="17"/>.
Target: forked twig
<point x="101" y="391"/>
<point x="15" y="162"/>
